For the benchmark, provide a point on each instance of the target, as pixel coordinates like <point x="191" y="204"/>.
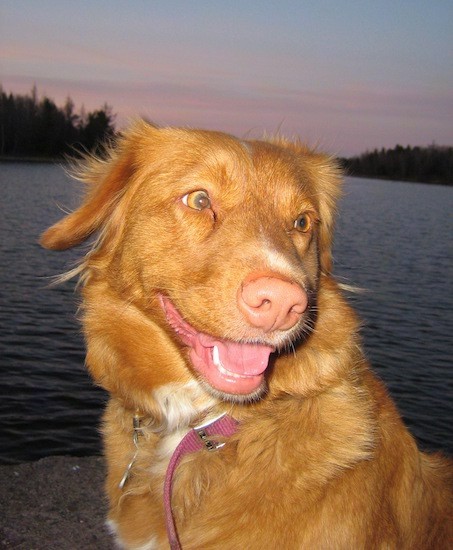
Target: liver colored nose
<point x="271" y="303"/>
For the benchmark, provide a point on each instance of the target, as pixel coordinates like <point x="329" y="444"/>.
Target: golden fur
<point x="321" y="458"/>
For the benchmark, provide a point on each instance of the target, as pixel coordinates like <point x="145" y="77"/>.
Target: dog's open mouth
<point x="230" y="367"/>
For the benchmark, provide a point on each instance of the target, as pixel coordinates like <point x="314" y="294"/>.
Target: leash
<point x="197" y="439"/>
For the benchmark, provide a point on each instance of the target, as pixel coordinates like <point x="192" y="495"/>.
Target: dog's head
<point x="218" y="241"/>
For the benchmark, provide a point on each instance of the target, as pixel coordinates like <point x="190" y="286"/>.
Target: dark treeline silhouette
<point x="37" y="128"/>
<point x="433" y="164"/>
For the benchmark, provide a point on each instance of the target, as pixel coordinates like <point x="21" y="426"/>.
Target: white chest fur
<point x="180" y="404"/>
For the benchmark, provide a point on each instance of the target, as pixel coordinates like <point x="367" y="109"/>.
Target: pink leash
<point x="198" y="438"/>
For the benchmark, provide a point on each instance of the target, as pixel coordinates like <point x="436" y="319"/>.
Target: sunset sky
<point x="347" y="75"/>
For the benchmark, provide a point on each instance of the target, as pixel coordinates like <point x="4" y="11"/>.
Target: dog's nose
<point x="271" y="303"/>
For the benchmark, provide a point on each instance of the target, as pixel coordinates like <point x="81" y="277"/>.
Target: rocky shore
<point x="54" y="503"/>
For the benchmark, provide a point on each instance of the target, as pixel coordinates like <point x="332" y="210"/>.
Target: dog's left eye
<point x="198" y="200"/>
<point x="303" y="223"/>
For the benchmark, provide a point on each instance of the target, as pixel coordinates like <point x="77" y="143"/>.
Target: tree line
<point x="433" y="164"/>
<point x="32" y="127"/>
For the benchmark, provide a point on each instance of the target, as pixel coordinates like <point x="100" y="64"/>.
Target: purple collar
<point x="198" y="438"/>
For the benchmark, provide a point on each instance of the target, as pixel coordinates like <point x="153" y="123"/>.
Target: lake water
<point x="393" y="239"/>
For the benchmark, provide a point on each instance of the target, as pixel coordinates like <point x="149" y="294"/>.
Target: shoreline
<point x="55" y="502"/>
<point x="64" y="160"/>
<point x="399" y="180"/>
<point x="31" y="160"/>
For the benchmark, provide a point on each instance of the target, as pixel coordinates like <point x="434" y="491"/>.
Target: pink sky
<point x="347" y="77"/>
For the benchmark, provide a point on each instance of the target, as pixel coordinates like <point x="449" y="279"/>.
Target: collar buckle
<point x="208" y="443"/>
<point x="201" y="431"/>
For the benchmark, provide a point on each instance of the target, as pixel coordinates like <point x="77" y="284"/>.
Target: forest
<point x="35" y="128"/>
<point x="433" y="164"/>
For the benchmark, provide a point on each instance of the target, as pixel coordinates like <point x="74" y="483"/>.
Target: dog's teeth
<point x="218" y="363"/>
<point x="216" y="356"/>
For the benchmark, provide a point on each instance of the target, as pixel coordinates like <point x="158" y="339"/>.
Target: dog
<point x="212" y="318"/>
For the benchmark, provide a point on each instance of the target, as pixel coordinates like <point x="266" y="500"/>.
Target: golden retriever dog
<point x="208" y="291"/>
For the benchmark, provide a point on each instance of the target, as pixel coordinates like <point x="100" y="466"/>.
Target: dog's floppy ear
<point x="324" y="181"/>
<point x="327" y="177"/>
<point x="95" y="210"/>
<point x="108" y="179"/>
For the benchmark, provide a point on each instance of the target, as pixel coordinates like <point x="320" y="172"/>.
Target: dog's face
<point x="220" y="242"/>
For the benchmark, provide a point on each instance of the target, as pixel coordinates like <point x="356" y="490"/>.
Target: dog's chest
<point x="180" y="404"/>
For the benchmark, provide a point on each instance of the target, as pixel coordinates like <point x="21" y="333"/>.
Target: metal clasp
<point x="201" y="432"/>
<point x="138" y="431"/>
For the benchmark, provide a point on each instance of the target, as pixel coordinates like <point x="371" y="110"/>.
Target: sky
<point x="346" y="76"/>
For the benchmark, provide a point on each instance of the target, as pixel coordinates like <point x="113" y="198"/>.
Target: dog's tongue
<point x="231" y="367"/>
<point x="237" y="358"/>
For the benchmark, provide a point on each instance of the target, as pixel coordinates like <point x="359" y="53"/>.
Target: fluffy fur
<point x="321" y="458"/>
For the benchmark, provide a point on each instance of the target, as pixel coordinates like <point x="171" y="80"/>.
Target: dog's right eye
<point x="198" y="200"/>
<point x="303" y="223"/>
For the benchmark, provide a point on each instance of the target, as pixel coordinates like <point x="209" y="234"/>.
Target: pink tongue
<point x="241" y="359"/>
<point x="244" y="359"/>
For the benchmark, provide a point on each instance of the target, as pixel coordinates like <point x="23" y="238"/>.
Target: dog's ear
<point x="95" y="210"/>
<point x="324" y="181"/>
<point x="108" y="179"/>
<point x="327" y="177"/>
